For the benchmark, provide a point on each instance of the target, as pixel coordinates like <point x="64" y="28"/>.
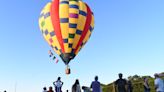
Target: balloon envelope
<point x="66" y="26"/>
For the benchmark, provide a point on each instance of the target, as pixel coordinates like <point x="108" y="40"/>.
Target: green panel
<point x="71" y="35"/>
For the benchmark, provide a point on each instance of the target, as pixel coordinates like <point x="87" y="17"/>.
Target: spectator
<point x="121" y="83"/>
<point x="130" y="87"/>
<point x="85" y="89"/>
<point x="76" y="86"/>
<point x="146" y="85"/>
<point x="58" y="85"/>
<point x="44" y="89"/>
<point x="96" y="87"/>
<point x="159" y="84"/>
<point x="50" y="89"/>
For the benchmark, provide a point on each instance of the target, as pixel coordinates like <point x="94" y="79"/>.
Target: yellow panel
<point x="81" y="22"/>
<point x="64" y="30"/>
<point x="40" y="22"/>
<point x="73" y="10"/>
<point x="93" y="21"/>
<point x="70" y="40"/>
<point x="73" y="2"/>
<point x="72" y="30"/>
<point x="47" y="8"/>
<point x="66" y="48"/>
<point x="64" y="10"/>
<point x="73" y="20"/>
<point x="82" y="6"/>
<point x="77" y="37"/>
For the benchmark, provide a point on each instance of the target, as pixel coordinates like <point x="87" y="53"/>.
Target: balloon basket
<point x="67" y="70"/>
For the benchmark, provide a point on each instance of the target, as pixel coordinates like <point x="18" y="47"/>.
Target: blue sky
<point x="128" y="38"/>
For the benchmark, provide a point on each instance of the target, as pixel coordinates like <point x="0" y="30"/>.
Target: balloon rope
<point x="67" y="66"/>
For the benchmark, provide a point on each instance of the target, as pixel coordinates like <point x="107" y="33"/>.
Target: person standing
<point x="130" y="87"/>
<point x="121" y="83"/>
<point x="58" y="85"/>
<point x="95" y="85"/>
<point x="85" y="89"/>
<point x="146" y="85"/>
<point x="159" y="84"/>
<point x="76" y="86"/>
<point x="44" y="89"/>
<point x="50" y="89"/>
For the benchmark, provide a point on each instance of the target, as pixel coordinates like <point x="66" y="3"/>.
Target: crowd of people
<point x="121" y="85"/>
<point x="95" y="86"/>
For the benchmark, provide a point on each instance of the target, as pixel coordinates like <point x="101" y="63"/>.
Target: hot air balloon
<point x="66" y="25"/>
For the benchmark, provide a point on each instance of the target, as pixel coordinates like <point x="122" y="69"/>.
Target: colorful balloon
<point x="66" y="25"/>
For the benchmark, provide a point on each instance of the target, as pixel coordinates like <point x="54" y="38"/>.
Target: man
<point x="58" y="85"/>
<point x="96" y="87"/>
<point x="159" y="84"/>
<point x="121" y="83"/>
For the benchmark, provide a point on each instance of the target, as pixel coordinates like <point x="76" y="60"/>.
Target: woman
<point x="146" y="85"/>
<point x="76" y="86"/>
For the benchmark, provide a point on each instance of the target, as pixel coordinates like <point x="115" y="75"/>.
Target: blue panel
<point x="79" y="32"/>
<point x="82" y="13"/>
<point x="52" y="34"/>
<point x="64" y="2"/>
<point x="64" y="20"/>
<point x="47" y="15"/>
<point x="70" y="45"/>
<point x="46" y="32"/>
<point x="65" y="40"/>
<point x="91" y="29"/>
<point x="74" y="6"/>
<point x="72" y="25"/>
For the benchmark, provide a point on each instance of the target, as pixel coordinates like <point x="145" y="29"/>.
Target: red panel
<point x="54" y="12"/>
<point x="86" y="28"/>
